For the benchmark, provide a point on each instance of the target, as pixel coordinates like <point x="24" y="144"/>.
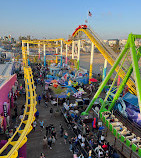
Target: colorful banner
<point x="1" y="121"/>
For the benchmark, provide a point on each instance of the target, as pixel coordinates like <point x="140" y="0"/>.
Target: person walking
<point x="105" y="146"/>
<point x="42" y="155"/>
<point x="47" y="130"/>
<point x="70" y="145"/>
<point x="37" y="114"/>
<point x="42" y="82"/>
<point x="51" y="112"/>
<point x="53" y="140"/>
<point x="34" y="125"/>
<point x="44" y="142"/>
<point x="97" y="150"/>
<point x="94" y="125"/>
<point x="100" y="153"/>
<point x="65" y="137"/>
<point x="102" y="138"/>
<point x="39" y="99"/>
<point x="49" y="142"/>
<point x="84" y="129"/>
<point x="81" y="156"/>
<point x="100" y="131"/>
<point x="42" y="125"/>
<point x="54" y="133"/>
<point x="61" y="131"/>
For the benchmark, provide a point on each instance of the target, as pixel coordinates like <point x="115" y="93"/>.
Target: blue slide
<point x="72" y="88"/>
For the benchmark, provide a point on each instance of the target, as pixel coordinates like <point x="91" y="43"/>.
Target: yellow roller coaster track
<point x="130" y="83"/>
<point x="107" y="56"/>
<point x="102" y="50"/>
<point x="25" y="126"/>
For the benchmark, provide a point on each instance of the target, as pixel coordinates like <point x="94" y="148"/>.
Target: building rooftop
<point x="5" y="72"/>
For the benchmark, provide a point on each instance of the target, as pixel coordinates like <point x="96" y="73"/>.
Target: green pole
<point x="136" y="69"/>
<point x="122" y="85"/>
<point x="115" y="77"/>
<point x="105" y="81"/>
<point x="137" y="36"/>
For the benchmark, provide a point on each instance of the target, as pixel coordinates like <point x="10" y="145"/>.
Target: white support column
<point x="27" y="48"/>
<point x="28" y="53"/>
<point x="44" y="55"/>
<point x="56" y="52"/>
<point x="44" y="47"/>
<point x="91" y="62"/>
<point x="105" y="69"/>
<point x="22" y="44"/>
<point x="73" y="50"/>
<point x="66" y="54"/>
<point x="92" y="54"/>
<point x="78" y="55"/>
<point x="105" y="63"/>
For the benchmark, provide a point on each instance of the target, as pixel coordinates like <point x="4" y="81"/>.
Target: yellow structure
<point x="91" y="62"/>
<point x="111" y="61"/>
<point x="97" y="43"/>
<point x="29" y="112"/>
<point x="56" y="60"/>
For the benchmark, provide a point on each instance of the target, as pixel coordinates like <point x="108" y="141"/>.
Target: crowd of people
<point x="51" y="136"/>
<point x="89" y="137"/>
<point x="88" y="140"/>
<point x="17" y="112"/>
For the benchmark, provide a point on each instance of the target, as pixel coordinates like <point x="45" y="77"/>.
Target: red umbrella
<point x="93" y="80"/>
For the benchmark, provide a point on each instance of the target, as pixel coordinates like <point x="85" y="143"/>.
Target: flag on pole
<point x="90" y="14"/>
<point x="86" y="21"/>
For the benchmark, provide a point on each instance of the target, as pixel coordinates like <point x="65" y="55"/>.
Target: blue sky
<point x="59" y="18"/>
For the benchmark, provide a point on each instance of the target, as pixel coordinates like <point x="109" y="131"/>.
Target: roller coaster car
<point x="80" y="27"/>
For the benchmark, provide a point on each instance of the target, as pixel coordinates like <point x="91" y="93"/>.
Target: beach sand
<point x="98" y="63"/>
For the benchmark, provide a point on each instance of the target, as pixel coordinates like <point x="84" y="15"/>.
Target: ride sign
<point x="5" y="109"/>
